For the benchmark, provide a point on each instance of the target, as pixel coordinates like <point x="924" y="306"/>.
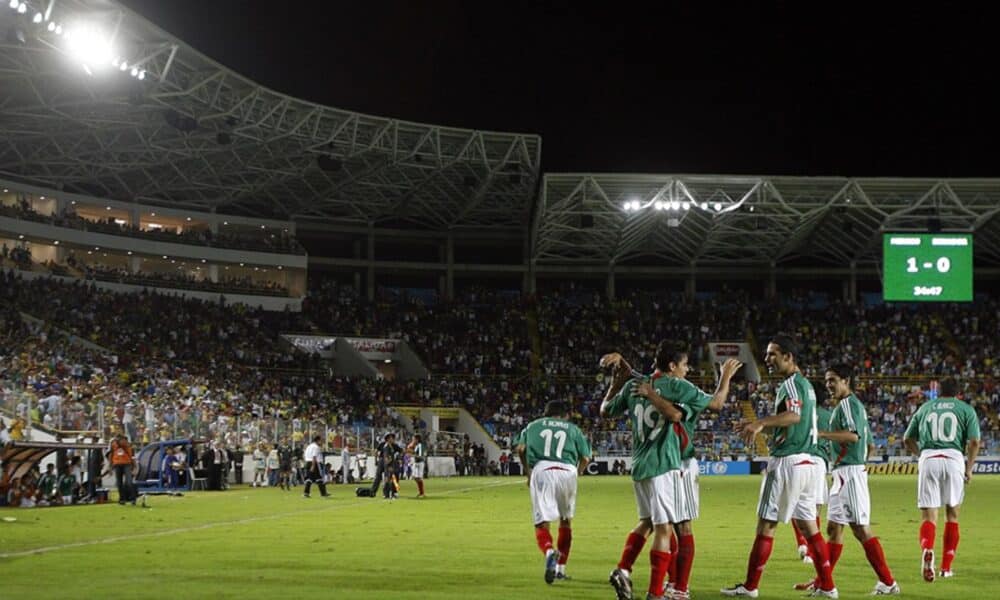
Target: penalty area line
<point x="214" y="524"/>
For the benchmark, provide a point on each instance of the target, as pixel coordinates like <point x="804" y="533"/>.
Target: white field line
<point x="214" y="524"/>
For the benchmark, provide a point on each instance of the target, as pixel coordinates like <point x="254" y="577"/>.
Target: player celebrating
<point x="553" y="451"/>
<point x="941" y="429"/>
<point x="823" y="450"/>
<point x="418" y="451"/>
<point x="674" y="388"/>
<point x="788" y="491"/>
<point x="850" y="501"/>
<point x="656" y="469"/>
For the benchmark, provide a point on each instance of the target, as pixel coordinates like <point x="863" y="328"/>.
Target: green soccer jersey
<point x="554" y="440"/>
<point x="48" y="485"/>
<point x="942" y="424"/>
<point x="795" y="394"/>
<point x="850" y="415"/>
<point x="656" y="446"/>
<point x="694" y="402"/>
<point x="824" y="448"/>
<point x="66" y="483"/>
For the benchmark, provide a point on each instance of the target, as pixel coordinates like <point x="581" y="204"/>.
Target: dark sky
<point x="780" y="88"/>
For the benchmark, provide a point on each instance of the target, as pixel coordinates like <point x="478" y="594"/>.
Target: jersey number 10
<point x="938" y="423"/>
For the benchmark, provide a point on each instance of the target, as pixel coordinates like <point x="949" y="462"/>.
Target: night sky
<point x="784" y="88"/>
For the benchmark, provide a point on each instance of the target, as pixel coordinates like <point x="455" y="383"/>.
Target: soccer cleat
<point x="818" y="593"/>
<point x="927" y="564"/>
<point x="804" y="555"/>
<point x="305" y="495"/>
<point x="622" y="583"/>
<point x="805" y="587"/>
<point x="738" y="590"/>
<point x="562" y="576"/>
<point x="673" y="594"/>
<point x="882" y="589"/>
<point x="946" y="574"/>
<point x="551" y="560"/>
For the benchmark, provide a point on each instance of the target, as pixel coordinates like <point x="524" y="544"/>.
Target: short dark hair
<point x="556" y="408"/>
<point x="843" y="371"/>
<point x="949" y="387"/>
<point x="669" y="351"/>
<point x="317" y="438"/>
<point x="417" y="437"/>
<point x="787" y="344"/>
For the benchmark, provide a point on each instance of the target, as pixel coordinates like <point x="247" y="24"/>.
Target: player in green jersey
<point x="941" y="430"/>
<point x="553" y="451"/>
<point x="822" y="450"/>
<point x="675" y="388"/>
<point x="850" y="501"/>
<point x="789" y="488"/>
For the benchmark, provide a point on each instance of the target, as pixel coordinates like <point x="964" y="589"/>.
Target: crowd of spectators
<point x="279" y="243"/>
<point x="182" y="280"/>
<point x="186" y="367"/>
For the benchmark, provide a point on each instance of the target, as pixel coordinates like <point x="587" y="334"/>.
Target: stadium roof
<point x="193" y="133"/>
<point x="690" y="220"/>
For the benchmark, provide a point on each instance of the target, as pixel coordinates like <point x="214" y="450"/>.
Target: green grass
<point x="471" y="538"/>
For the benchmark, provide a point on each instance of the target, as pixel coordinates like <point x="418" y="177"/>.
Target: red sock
<point x="758" y="559"/>
<point x="544" y="539"/>
<point x="420" y="486"/>
<point x="950" y="545"/>
<point x="672" y="567"/>
<point x="876" y="558"/>
<point x="633" y="547"/>
<point x="801" y="539"/>
<point x="658" y="562"/>
<point x="821" y="561"/>
<point x="927" y="532"/>
<point x="835" y="550"/>
<point x="684" y="559"/>
<point x="564" y="543"/>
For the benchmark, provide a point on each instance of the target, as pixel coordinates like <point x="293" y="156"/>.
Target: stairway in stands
<point x="535" y="336"/>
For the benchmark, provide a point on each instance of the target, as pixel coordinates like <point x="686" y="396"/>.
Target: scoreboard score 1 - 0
<point x="926" y="267"/>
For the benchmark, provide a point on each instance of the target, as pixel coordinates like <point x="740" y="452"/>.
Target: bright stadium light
<point x="134" y="72"/>
<point x="37" y="18"/>
<point x="142" y="75"/>
<point x="52" y="26"/>
<point x="123" y="66"/>
<point x="59" y="29"/>
<point x="686" y="205"/>
<point x="659" y="205"/>
<point x="717" y="207"/>
<point x="704" y="206"/>
<point x="23" y="8"/>
<point x="90" y="46"/>
<point x="14" y="4"/>
<point x="675" y="204"/>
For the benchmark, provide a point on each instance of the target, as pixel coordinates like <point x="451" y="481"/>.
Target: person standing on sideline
<point x="940" y="431"/>
<point x="345" y="463"/>
<point x="122" y="461"/>
<point x="418" y="451"/>
<point x="314" y="467"/>
<point x="554" y="451"/>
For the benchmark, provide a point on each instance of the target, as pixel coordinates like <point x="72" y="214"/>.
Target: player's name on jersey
<point x="560" y="424"/>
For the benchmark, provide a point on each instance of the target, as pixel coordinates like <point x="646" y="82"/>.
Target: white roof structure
<point x="690" y="220"/>
<point x="193" y="133"/>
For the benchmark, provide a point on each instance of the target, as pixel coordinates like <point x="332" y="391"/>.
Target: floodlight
<point x="52" y="26"/>
<point x="14" y="4"/>
<point x="134" y="72"/>
<point x="659" y="205"/>
<point x="23" y="8"/>
<point x="123" y="66"/>
<point x="142" y="75"/>
<point x="37" y="18"/>
<point x="704" y="206"/>
<point x="686" y="205"/>
<point x="59" y="29"/>
<point x="675" y="204"/>
<point x="90" y="46"/>
<point x="718" y="207"/>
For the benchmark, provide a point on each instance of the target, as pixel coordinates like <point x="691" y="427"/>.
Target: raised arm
<point x="667" y="409"/>
<point x="729" y="368"/>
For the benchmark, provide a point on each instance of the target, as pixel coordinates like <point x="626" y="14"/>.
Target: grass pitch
<point x="471" y="538"/>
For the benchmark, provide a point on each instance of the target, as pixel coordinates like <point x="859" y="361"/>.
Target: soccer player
<point x="789" y="488"/>
<point x="553" y="451"/>
<point x="823" y="450"/>
<point x="941" y="429"/>
<point x="674" y="387"/>
<point x="656" y="469"/>
<point x="850" y="501"/>
<point x="418" y="451"/>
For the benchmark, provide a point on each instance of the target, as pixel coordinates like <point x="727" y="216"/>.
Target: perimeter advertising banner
<point x="374" y="348"/>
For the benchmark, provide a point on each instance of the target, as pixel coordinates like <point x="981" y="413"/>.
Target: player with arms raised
<point x="674" y="387"/>
<point x="789" y="488"/>
<point x="553" y="451"/>
<point x="940" y="430"/>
